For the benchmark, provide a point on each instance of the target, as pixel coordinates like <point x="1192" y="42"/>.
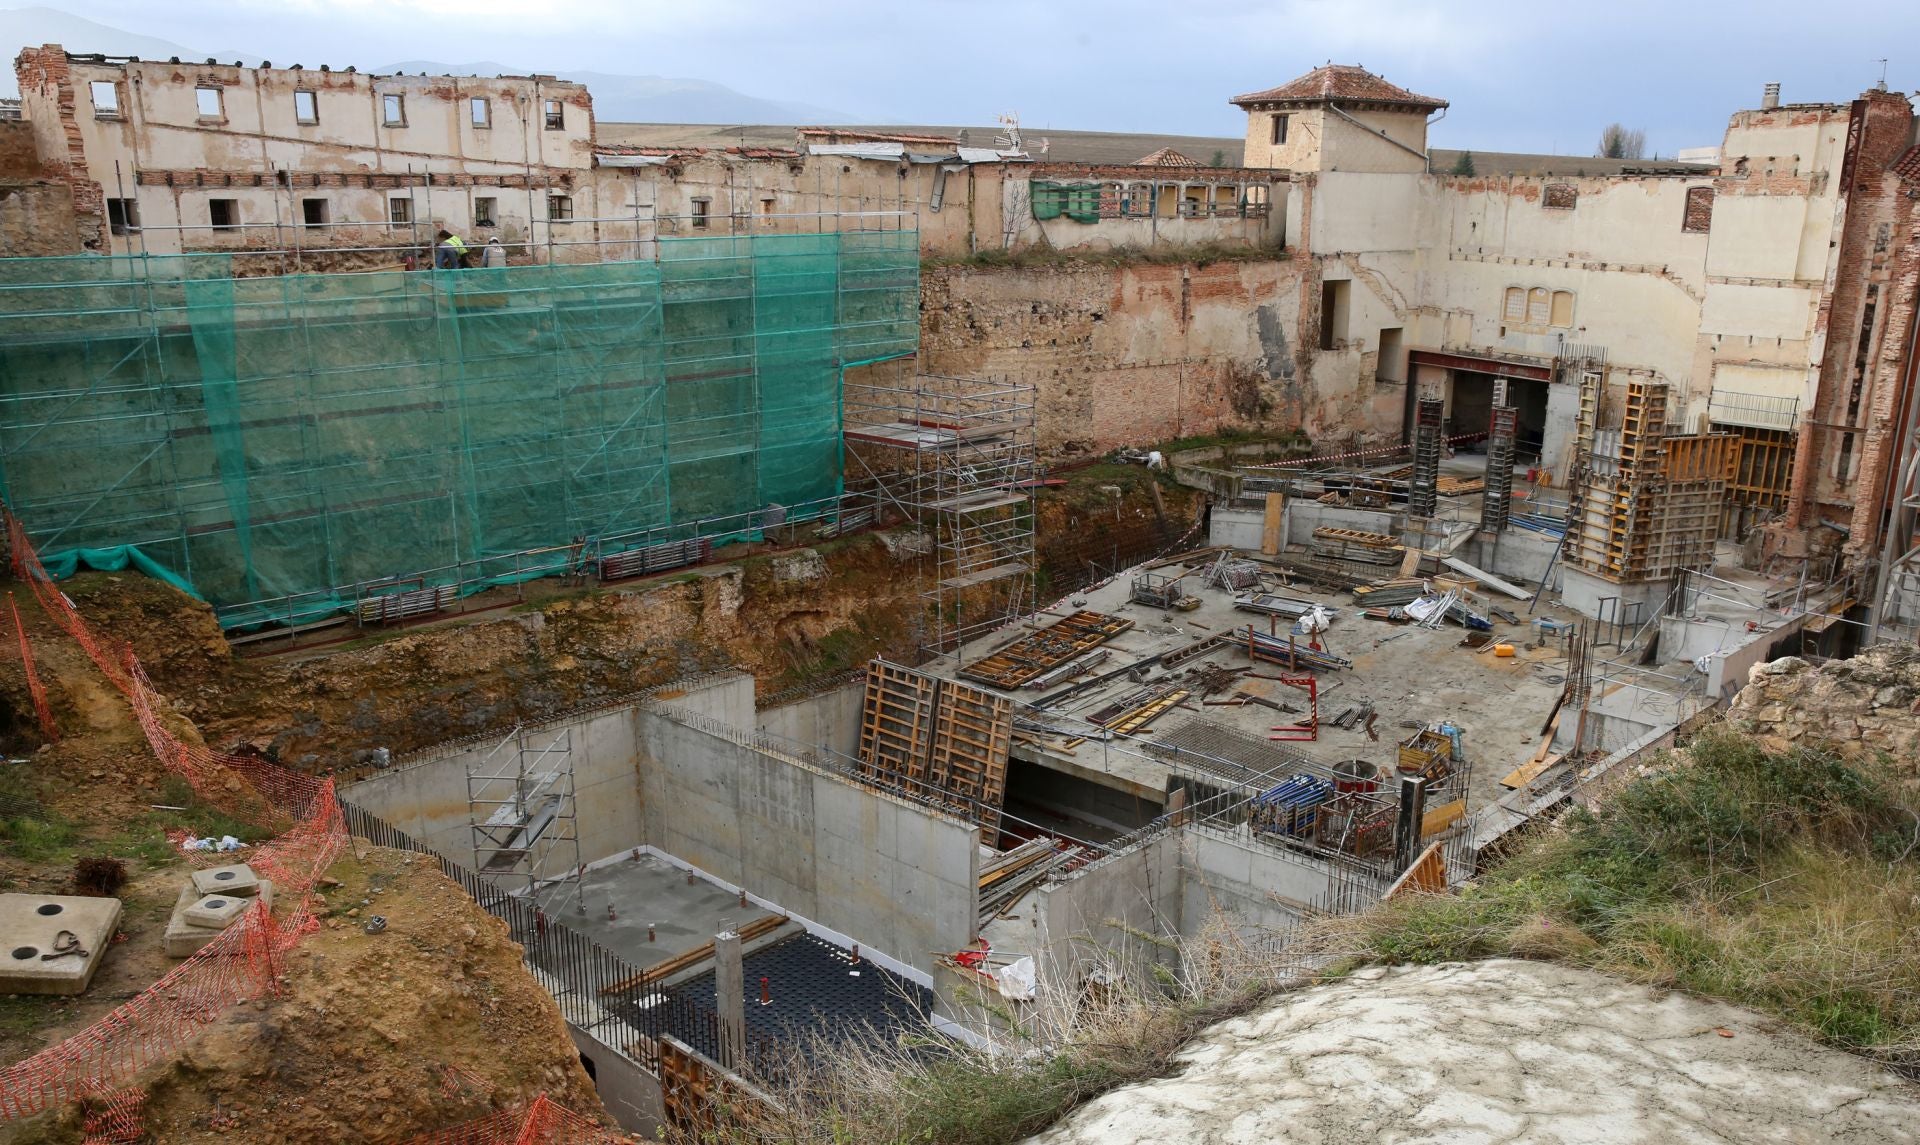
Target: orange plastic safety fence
<point x="117" y="1119"/>
<point x="240" y="964"/>
<point x="34" y="687"/>
<point x="545" y="1122"/>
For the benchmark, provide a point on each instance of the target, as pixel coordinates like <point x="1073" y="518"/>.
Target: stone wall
<point x="1133" y="353"/>
<point x="1870" y="703"/>
<point x="37" y="219"/>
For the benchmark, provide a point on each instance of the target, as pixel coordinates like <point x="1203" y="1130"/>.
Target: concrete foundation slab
<point x="233" y="879"/>
<point x="35" y="929"/>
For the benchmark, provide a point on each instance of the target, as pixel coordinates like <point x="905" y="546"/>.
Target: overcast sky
<point x="1537" y="75"/>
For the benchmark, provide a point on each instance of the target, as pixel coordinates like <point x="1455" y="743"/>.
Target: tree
<point x="1464" y="164"/>
<point x="1621" y="142"/>
<point x="1219" y="158"/>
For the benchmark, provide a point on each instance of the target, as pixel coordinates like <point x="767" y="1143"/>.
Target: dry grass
<point x="1786" y="882"/>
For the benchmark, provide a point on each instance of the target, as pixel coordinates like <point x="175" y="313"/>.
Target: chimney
<point x="1770" y="98"/>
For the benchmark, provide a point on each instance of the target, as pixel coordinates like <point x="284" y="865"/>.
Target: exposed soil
<point x="373" y="1038"/>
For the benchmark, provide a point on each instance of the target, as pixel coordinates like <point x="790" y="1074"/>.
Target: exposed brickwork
<point x="44" y="71"/>
<point x="1891" y="374"/>
<point x="1699" y="217"/>
<point x="548" y="177"/>
<point x="1560" y="196"/>
<point x="1879" y="129"/>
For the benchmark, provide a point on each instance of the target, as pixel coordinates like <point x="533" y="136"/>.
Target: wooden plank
<point x="1438" y="819"/>
<point x="1529" y="771"/>
<point x="1033" y="655"/>
<point x="1275" y="516"/>
<point x="1425" y="875"/>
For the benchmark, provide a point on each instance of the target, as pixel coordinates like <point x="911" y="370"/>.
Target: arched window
<point x="1515" y="311"/>
<point x="1539" y="306"/>
<point x="1562" y="308"/>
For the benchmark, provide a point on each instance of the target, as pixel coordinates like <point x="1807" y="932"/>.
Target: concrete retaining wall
<point x="1240" y="528"/>
<point x="427" y="795"/>
<point x="1256" y="886"/>
<point x="828" y="719"/>
<point x="1518" y="555"/>
<point x="882" y="871"/>
<point x="1106" y="913"/>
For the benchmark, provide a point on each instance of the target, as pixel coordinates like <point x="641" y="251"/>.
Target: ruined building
<point x="1634" y="428"/>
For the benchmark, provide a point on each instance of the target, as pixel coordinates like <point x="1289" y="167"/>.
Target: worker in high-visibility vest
<point x="448" y="251"/>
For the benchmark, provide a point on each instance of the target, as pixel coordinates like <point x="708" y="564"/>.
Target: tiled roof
<point x="1908" y="165"/>
<point x="1166" y="157"/>
<point x="1342" y="82"/>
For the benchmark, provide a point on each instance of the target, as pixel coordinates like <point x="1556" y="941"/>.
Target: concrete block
<point x="217" y="911"/>
<point x="31" y="929"/>
<point x="184" y="937"/>
<point x="235" y="879"/>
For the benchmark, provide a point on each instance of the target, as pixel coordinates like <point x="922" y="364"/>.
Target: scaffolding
<point x="1423" y="489"/>
<point x="520" y="809"/>
<point x="1645" y="503"/>
<point x="956" y="456"/>
<point x="287" y="446"/>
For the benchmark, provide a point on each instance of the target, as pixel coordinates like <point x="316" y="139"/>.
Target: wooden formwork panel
<point x="936" y="738"/>
<point x="1703" y="457"/>
<point x="1033" y="655"/>
<point x="896" y="723"/>
<point x="972" y="735"/>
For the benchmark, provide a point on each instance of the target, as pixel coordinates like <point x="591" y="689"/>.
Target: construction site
<point x="598" y="695"/>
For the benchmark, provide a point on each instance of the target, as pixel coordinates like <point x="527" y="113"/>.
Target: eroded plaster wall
<point x="1140" y="352"/>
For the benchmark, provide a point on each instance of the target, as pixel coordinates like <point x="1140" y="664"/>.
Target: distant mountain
<point x="31" y="27"/>
<point x="651" y="99"/>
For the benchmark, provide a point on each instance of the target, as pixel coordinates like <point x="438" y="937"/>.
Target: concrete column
<point x="730" y="997"/>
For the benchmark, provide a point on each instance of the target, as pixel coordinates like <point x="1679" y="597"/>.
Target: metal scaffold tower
<point x="957" y="457"/>
<point x="1424" y="489"/>
<point x="1497" y="503"/>
<point x="520" y="806"/>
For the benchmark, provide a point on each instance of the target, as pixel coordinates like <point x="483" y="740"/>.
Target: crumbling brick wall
<point x="46" y="82"/>
<point x="1128" y="354"/>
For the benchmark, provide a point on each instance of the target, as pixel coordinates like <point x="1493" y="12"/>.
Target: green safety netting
<point x="1077" y="201"/>
<point x="278" y="444"/>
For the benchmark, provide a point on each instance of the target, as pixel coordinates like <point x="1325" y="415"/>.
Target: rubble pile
<point x="1865" y="705"/>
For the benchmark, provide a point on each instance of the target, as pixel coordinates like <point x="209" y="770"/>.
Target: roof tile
<point x="1166" y="157"/>
<point x="1344" y="82"/>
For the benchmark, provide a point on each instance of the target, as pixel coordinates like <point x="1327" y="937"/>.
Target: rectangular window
<point x="481" y="112"/>
<point x="483" y="213"/>
<point x="400" y="211"/>
<point x="1279" y="130"/>
<point x="123" y="216"/>
<point x="206" y="102"/>
<point x="702" y="213"/>
<point x="106" y="99"/>
<point x="1333" y="313"/>
<point x="224" y="214"/>
<point x="306" y="108"/>
<point x="393" y="111"/>
<point x="314" y="212"/>
<point x="559" y="207"/>
<point x="556" y="115"/>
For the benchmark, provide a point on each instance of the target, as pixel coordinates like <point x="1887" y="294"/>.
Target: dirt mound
<point x="1501" y="1051"/>
<point x="1870" y="703"/>
<point x="377" y="1038"/>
